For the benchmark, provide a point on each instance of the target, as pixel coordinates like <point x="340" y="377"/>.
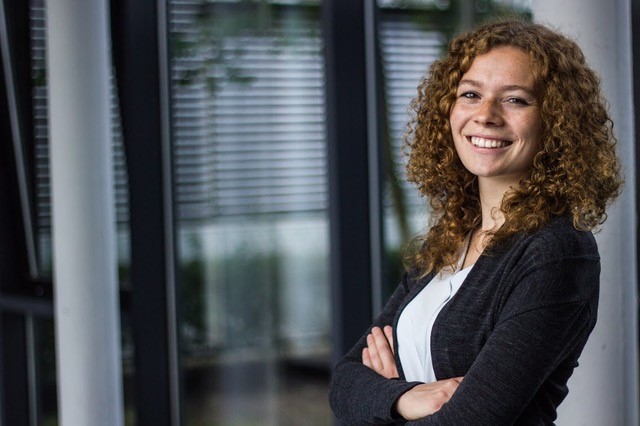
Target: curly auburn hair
<point x="576" y="171"/>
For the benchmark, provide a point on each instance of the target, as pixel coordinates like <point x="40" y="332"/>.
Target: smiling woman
<point x="575" y="171"/>
<point x="495" y="121"/>
<point x="512" y="145"/>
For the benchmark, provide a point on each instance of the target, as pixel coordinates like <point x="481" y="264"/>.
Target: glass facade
<point x="251" y="199"/>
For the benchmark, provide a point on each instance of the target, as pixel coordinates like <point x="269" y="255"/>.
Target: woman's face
<point x="495" y="120"/>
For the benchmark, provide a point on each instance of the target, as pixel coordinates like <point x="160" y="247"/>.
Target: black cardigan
<point x="514" y="330"/>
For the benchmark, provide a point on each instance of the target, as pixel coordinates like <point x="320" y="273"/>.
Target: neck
<point x="491" y="194"/>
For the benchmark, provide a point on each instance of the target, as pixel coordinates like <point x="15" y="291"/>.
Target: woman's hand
<point x="378" y="355"/>
<point x="426" y="399"/>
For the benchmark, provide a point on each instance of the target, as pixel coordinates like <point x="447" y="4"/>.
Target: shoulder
<point x="557" y="240"/>
<point x="556" y="264"/>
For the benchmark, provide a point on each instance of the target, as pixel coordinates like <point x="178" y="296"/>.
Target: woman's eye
<point x="517" y="101"/>
<point x="468" y="95"/>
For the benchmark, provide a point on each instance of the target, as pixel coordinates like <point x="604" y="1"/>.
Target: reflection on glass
<point x="251" y="194"/>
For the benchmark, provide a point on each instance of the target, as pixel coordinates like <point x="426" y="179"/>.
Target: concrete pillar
<point x="604" y="389"/>
<point x="86" y="294"/>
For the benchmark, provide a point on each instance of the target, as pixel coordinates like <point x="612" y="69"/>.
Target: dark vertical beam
<point x="14" y="31"/>
<point x="15" y="398"/>
<point x="139" y="44"/>
<point x="14" y="268"/>
<point x="344" y="29"/>
<point x="379" y="155"/>
<point x="14" y="264"/>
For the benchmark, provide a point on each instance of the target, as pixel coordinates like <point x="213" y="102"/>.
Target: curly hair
<point x="576" y="171"/>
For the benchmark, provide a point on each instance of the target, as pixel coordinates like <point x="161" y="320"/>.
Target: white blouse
<point x="416" y="321"/>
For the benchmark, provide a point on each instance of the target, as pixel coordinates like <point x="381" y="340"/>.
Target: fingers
<point x="385" y="352"/>
<point x="374" y="356"/>
<point x="388" y="332"/>
<point x="378" y="355"/>
<point x="366" y="359"/>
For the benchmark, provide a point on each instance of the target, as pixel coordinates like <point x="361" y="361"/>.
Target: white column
<point x="604" y="389"/>
<point x="86" y="294"/>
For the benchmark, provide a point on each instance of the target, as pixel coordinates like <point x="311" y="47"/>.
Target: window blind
<point x="248" y="114"/>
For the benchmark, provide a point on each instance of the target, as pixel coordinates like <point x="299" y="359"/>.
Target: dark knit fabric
<point x="514" y="330"/>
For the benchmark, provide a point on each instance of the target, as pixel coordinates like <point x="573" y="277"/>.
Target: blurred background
<point x="287" y="212"/>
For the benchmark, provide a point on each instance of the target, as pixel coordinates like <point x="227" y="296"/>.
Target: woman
<point x="512" y="145"/>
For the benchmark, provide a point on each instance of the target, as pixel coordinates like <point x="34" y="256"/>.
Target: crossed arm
<point x="543" y="324"/>
<point x="418" y="402"/>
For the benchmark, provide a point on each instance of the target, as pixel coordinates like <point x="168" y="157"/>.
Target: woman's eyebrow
<point x="476" y="83"/>
<point x="518" y="87"/>
<point x="470" y="82"/>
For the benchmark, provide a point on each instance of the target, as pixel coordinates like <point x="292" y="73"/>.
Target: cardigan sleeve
<point x="548" y="317"/>
<point x="359" y="395"/>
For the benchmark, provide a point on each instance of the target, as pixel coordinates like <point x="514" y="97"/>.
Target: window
<point x="251" y="194"/>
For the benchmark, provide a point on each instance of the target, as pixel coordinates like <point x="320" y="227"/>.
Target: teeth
<point x="487" y="143"/>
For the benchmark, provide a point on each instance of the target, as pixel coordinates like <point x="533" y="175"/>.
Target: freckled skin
<point x="496" y="100"/>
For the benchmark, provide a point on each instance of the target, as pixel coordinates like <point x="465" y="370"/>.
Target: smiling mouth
<point x="487" y="143"/>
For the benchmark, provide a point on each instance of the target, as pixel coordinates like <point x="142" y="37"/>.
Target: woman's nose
<point x="489" y="113"/>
